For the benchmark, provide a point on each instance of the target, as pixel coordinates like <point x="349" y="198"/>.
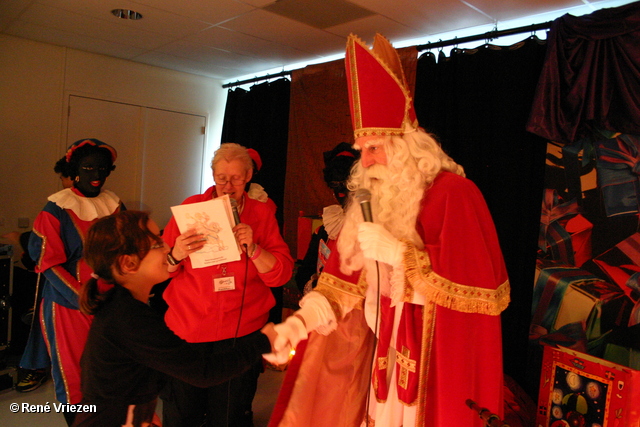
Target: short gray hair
<point x="230" y="151"/>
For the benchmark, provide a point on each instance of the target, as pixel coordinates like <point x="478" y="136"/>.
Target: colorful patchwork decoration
<point x="565" y="235"/>
<point x="618" y="165"/>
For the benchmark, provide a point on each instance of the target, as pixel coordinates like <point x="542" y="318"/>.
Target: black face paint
<point x="93" y="171"/>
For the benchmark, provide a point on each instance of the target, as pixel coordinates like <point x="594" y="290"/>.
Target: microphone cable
<point x="363" y="197"/>
<point x="375" y="342"/>
<point x="235" y="335"/>
<point x="234" y="205"/>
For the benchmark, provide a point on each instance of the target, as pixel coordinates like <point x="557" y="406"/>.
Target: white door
<point x="172" y="160"/>
<point x="159" y="152"/>
<point x="119" y="125"/>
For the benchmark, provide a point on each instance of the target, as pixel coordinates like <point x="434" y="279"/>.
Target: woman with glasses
<point x="201" y="311"/>
<point x="56" y="244"/>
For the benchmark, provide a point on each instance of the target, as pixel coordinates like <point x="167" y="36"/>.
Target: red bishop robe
<point x="446" y="340"/>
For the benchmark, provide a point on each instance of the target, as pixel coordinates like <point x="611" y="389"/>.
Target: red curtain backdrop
<point x="319" y="119"/>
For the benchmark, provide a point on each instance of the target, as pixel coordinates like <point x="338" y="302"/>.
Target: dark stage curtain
<point x="259" y="119"/>
<point x="591" y="76"/>
<point x="477" y="103"/>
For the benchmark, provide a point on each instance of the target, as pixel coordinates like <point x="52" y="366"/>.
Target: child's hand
<point x="270" y="332"/>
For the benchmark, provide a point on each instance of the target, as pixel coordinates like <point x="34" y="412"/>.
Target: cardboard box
<point x="577" y="389"/>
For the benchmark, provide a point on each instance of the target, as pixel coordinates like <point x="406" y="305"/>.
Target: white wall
<point x="36" y="80"/>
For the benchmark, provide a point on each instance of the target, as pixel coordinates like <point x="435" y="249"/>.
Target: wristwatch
<point x="171" y="260"/>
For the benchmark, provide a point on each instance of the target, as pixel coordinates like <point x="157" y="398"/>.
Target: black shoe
<point x="32" y="380"/>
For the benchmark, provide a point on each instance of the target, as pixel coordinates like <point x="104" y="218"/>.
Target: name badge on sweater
<point x="224" y="283"/>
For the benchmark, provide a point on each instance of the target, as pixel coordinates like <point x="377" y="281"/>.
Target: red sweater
<point x="199" y="314"/>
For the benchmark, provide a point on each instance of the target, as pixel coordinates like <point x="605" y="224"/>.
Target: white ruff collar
<point x="333" y="218"/>
<point x="256" y="192"/>
<point x="87" y="208"/>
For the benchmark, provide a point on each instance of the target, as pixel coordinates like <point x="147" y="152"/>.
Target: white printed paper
<point x="213" y="219"/>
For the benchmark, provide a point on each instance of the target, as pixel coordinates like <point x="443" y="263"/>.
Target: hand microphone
<point x="236" y="217"/>
<point x="234" y="208"/>
<point x="363" y="196"/>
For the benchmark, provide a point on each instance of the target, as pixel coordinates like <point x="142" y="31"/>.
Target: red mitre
<point x="379" y="96"/>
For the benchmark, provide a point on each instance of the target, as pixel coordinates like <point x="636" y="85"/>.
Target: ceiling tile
<point x="278" y="29"/>
<point x="226" y="39"/>
<point x="366" y="28"/>
<point x="233" y="38"/>
<point x="74" y="41"/>
<point x="504" y="11"/>
<point x="99" y="29"/>
<point x="153" y="20"/>
<point x="10" y="10"/>
<point x="212" y="12"/>
<point x="428" y="16"/>
<point x="319" y="14"/>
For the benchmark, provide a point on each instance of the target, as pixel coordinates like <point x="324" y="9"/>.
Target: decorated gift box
<point x="599" y="305"/>
<point x="565" y="235"/>
<point x="620" y="265"/>
<point x="617" y="164"/>
<point x="564" y="295"/>
<point x="577" y="389"/>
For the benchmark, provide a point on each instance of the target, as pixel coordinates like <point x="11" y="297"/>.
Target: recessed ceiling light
<point x="126" y="14"/>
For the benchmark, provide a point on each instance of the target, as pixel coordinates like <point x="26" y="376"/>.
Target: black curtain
<point x="477" y="103"/>
<point x="259" y="119"/>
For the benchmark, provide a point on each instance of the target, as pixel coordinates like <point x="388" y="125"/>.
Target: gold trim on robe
<point x="342" y="293"/>
<point x="421" y="278"/>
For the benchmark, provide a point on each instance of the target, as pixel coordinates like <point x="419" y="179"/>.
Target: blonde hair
<point x="230" y="151"/>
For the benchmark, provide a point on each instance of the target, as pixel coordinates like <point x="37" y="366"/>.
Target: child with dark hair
<point x="130" y="352"/>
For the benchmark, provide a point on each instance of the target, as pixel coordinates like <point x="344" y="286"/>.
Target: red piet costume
<point x="57" y="243"/>
<point x="438" y="329"/>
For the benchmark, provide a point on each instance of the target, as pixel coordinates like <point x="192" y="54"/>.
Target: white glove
<point x="379" y="244"/>
<point x="317" y="314"/>
<point x="290" y="333"/>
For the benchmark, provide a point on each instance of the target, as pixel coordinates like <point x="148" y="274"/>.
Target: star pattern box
<point x="580" y="390"/>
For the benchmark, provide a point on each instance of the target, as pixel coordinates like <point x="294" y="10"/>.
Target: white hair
<point x="413" y="162"/>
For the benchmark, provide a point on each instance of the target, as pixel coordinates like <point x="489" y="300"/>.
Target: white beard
<point x="395" y="203"/>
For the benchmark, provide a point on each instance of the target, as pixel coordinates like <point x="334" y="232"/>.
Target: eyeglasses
<point x="233" y="181"/>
